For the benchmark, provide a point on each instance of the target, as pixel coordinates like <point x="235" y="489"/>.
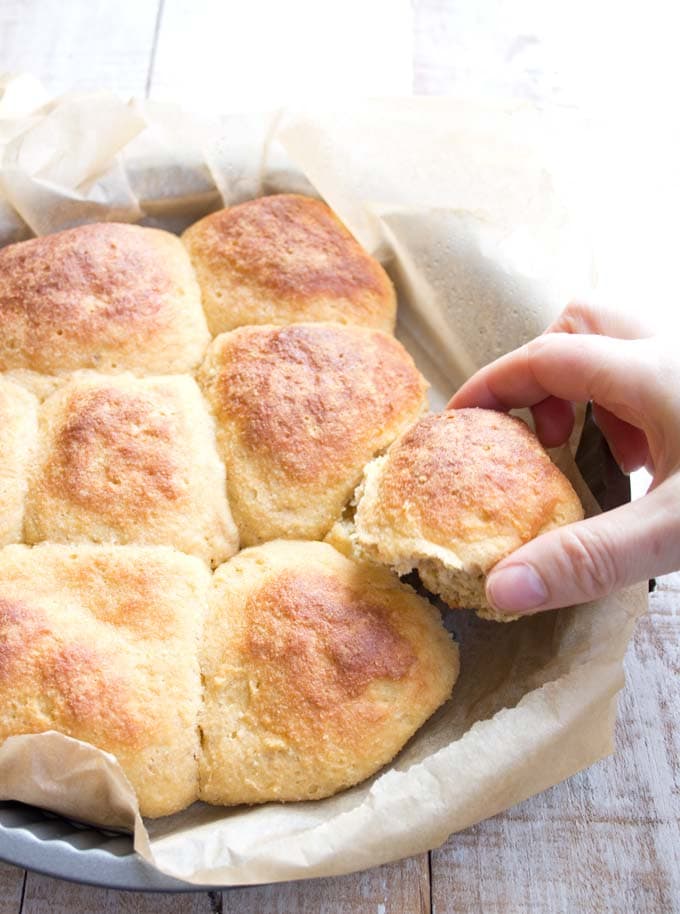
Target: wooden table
<point x="607" y="840"/>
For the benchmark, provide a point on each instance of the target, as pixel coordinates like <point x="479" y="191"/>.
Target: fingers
<point x="627" y="443"/>
<point x="588" y="354"/>
<point x="619" y="374"/>
<point x="580" y="317"/>
<point x="554" y="421"/>
<point x="590" y="559"/>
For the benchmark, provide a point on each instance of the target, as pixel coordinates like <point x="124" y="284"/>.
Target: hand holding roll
<point x="633" y="380"/>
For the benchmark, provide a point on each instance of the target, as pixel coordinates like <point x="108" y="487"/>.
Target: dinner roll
<point x="284" y="259"/>
<point x="456" y="494"/>
<point x="316" y="672"/>
<point x="130" y="460"/>
<point x="18" y="441"/>
<point x="105" y="296"/>
<point x="101" y="644"/>
<point x="300" y="410"/>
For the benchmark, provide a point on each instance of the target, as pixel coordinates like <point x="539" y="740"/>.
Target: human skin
<point x="632" y="378"/>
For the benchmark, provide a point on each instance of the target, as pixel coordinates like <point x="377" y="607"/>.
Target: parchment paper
<point x="469" y="206"/>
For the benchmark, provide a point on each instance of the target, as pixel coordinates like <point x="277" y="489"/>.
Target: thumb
<point x="592" y="558"/>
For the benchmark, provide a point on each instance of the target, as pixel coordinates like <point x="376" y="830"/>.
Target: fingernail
<point x="516" y="588"/>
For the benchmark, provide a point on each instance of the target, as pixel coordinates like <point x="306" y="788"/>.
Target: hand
<point x="633" y="379"/>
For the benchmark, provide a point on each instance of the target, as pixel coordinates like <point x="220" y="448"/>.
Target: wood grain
<point x="398" y="888"/>
<point x="52" y="896"/>
<point x="608" y="839"/>
<point x="11" y="889"/>
<point x="79" y="45"/>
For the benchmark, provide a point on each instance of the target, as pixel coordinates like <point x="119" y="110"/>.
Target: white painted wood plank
<point x="235" y="56"/>
<point x="87" y="44"/>
<point x="11" y="886"/>
<point x="398" y="888"/>
<point x="578" y="53"/>
<point x="53" y="896"/>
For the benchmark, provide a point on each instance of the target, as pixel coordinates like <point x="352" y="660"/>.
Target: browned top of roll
<point x="471" y="475"/>
<point x="107" y="296"/>
<point x="320" y="642"/>
<point x="110" y="439"/>
<point x="100" y="643"/>
<point x="316" y="672"/>
<point x="300" y="410"/>
<point x="130" y="460"/>
<point x="282" y="259"/>
<point x="308" y="397"/>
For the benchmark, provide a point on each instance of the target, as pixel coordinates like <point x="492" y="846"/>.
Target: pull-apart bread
<point x="312" y="672"/>
<point x="284" y="259"/>
<point x="18" y="443"/>
<point x="107" y="296"/>
<point x="130" y="460"/>
<point x="316" y="671"/>
<point x="456" y="494"/>
<point x="300" y="410"/>
<point x="101" y="643"/>
<point x="125" y="480"/>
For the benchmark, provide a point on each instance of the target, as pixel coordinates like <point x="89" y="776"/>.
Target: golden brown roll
<point x="18" y="442"/>
<point x="285" y="259"/>
<point x="104" y="296"/>
<point x="456" y="494"/>
<point x="130" y="460"/>
<point x="300" y="410"/>
<point x="316" y="671"/>
<point x="101" y="643"/>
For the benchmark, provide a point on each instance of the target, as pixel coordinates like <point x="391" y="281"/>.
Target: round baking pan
<point x="37" y="840"/>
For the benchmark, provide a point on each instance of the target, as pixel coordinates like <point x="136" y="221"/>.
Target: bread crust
<point x="101" y="644"/>
<point x="107" y="296"/>
<point x="130" y="460"/>
<point x="317" y="671"/>
<point x="300" y="410"/>
<point x="283" y="259"/>
<point x="18" y="444"/>
<point x="457" y="493"/>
